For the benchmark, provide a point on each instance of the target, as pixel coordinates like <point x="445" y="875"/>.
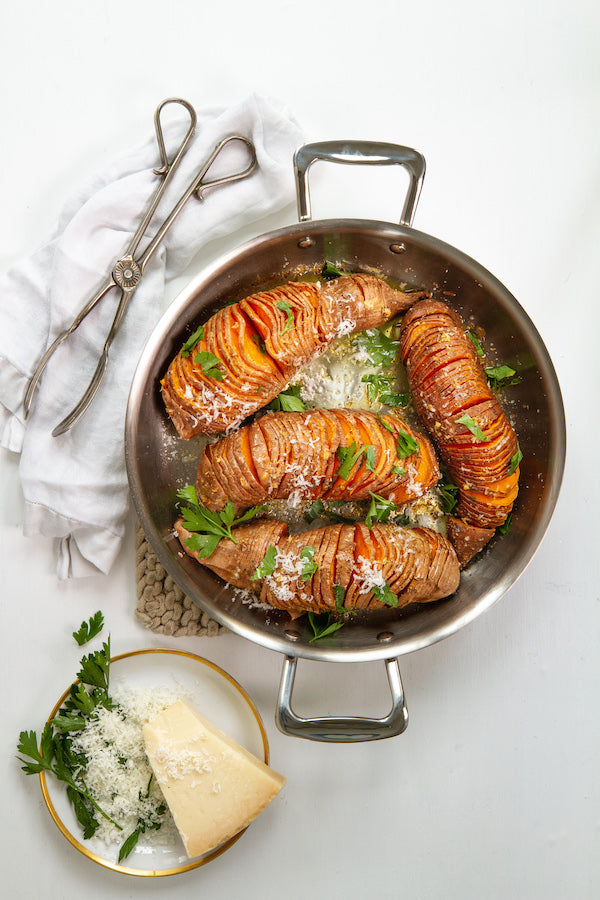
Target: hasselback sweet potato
<point x="464" y="418"/>
<point x="337" y="454"/>
<point x="336" y="568"/>
<point x="248" y="352"/>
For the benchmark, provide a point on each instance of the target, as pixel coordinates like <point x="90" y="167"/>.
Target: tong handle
<point x="166" y="170"/>
<point x="83" y="312"/>
<point x="92" y="388"/>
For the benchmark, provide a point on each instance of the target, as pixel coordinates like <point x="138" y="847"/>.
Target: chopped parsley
<point x="505" y="527"/>
<point x="209" y="364"/>
<point x="379" y="510"/>
<point x="476" y="343"/>
<point x="285" y="307"/>
<point x="260" y="343"/>
<point x="515" y="460"/>
<point x="501" y="376"/>
<point x="318" y="509"/>
<point x="288" y="401"/>
<point x="380" y="349"/>
<point x="406" y="444"/>
<point x="309" y="566"/>
<point x="348" y="456"/>
<point x="379" y="387"/>
<point x="192" y="341"/>
<point x="322" y="625"/>
<point x="472" y="426"/>
<point x="339" y="595"/>
<point x="384" y="594"/>
<point x="329" y="271"/>
<point x="448" y="495"/>
<point x="267" y="566"/>
<point x="209" y="527"/>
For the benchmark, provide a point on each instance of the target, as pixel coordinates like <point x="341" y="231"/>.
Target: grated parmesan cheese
<point x="118" y="772"/>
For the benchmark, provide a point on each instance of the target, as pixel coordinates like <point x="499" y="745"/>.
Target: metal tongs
<point x="128" y="269"/>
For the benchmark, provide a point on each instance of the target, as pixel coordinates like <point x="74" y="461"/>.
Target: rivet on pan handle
<point x="371" y="153"/>
<point x="340" y="730"/>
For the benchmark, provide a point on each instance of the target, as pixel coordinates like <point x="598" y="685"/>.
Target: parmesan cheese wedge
<point x="213" y="786"/>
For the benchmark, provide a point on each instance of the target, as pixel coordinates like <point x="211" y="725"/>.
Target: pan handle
<point x="343" y="729"/>
<point x="372" y="153"/>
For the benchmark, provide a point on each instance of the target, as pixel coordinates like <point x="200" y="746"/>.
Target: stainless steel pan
<point x="159" y="462"/>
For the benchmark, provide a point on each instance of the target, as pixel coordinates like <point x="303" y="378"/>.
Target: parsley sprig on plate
<point x="55" y="751"/>
<point x="209" y="527"/>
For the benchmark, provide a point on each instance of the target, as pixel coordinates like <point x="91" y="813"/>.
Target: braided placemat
<point x="161" y="604"/>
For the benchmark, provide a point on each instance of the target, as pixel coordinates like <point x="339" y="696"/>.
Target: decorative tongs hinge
<point x="128" y="269"/>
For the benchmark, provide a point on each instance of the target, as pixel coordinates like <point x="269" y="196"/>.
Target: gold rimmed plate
<point x="218" y="697"/>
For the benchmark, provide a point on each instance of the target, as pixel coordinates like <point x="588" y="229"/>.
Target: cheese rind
<point x="213" y="786"/>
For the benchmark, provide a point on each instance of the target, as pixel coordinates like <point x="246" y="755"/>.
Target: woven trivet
<point x="161" y="604"/>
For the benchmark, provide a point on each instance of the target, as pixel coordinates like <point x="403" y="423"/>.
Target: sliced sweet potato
<point x="463" y="416"/>
<point x="467" y="540"/>
<point x="351" y="557"/>
<point x="257" y="345"/>
<point x="296" y="455"/>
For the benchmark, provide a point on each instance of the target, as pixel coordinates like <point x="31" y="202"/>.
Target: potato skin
<point x="447" y="383"/>
<point x="417" y="564"/>
<point x="293" y="455"/>
<point x="260" y="343"/>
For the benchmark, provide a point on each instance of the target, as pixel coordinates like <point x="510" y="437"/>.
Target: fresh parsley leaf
<point x="55" y="753"/>
<point x="129" y="844"/>
<point x="94" y="670"/>
<point x="399" y="471"/>
<point x="369" y="454"/>
<point x="501" y="376"/>
<point x="384" y="594"/>
<point x="406" y="444"/>
<point x="28" y="746"/>
<point x="322" y="625"/>
<point x="379" y="510"/>
<point x="476" y="343"/>
<point x="448" y="496"/>
<point x="515" y="461"/>
<point x="329" y="271"/>
<point x="316" y="509"/>
<point x="267" y="566"/>
<point x="89" y="629"/>
<point x="505" y="527"/>
<point x="379" y="348"/>
<point x="209" y="364"/>
<point x="291" y="403"/>
<point x="208" y="526"/>
<point x="339" y="595"/>
<point x="188" y="493"/>
<point x="348" y="456"/>
<point x="286" y="307"/>
<point x="309" y="567"/>
<point x="259" y="343"/>
<point x="288" y="401"/>
<point x="470" y="423"/>
<point x="192" y="341"/>
<point x="379" y="387"/>
<point x="69" y="722"/>
<point x="203" y="544"/>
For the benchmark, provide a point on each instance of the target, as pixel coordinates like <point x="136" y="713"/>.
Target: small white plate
<point x="213" y="693"/>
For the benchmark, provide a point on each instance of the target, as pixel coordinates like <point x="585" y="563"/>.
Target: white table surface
<point x="493" y="791"/>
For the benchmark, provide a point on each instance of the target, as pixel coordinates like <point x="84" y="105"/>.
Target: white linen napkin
<point x="75" y="485"/>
